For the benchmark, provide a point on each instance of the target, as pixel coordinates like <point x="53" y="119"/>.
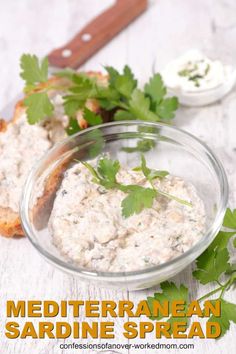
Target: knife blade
<point x="89" y="40"/>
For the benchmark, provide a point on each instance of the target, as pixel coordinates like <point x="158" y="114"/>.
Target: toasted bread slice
<point x="10" y="224"/>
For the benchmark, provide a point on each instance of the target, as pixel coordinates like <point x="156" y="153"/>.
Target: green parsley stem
<point x="227" y="285"/>
<point x="170" y="196"/>
<point x="222" y="292"/>
<point x="46" y="89"/>
<point x="219" y="283"/>
<point x="221" y="288"/>
<point x="181" y="201"/>
<point x="152" y="184"/>
<point x="210" y="293"/>
<point x="123" y="105"/>
<point x="231" y="280"/>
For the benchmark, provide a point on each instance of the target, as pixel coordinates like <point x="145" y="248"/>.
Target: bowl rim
<point x="113" y="276"/>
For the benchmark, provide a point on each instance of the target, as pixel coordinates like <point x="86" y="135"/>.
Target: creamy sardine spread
<point x="20" y="146"/>
<point x="88" y="228"/>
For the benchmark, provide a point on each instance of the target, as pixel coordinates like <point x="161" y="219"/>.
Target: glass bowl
<point x="164" y="147"/>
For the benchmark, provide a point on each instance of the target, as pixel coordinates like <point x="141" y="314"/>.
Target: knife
<point x="89" y="40"/>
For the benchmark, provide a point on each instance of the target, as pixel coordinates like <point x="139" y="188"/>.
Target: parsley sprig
<point x="151" y="175"/>
<point x="121" y="96"/>
<point x="33" y="72"/>
<point x="138" y="197"/>
<point x="38" y="103"/>
<point x="213" y="266"/>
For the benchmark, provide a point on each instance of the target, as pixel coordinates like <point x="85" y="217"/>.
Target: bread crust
<point x="3" y="125"/>
<point x="44" y="203"/>
<point x="10" y="224"/>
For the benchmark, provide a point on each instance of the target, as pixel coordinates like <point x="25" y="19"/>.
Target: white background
<point x="164" y="31"/>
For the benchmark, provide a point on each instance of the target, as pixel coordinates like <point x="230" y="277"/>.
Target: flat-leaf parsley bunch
<point x="121" y="97"/>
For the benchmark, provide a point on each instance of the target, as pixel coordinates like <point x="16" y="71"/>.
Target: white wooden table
<point x="167" y="29"/>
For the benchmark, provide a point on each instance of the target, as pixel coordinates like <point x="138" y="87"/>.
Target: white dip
<point x="198" y="80"/>
<point x="194" y="72"/>
<point x="87" y="226"/>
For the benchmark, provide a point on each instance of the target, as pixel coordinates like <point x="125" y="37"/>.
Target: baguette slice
<point x="10" y="224"/>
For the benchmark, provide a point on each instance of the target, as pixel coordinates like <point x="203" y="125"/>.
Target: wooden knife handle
<point x="97" y="33"/>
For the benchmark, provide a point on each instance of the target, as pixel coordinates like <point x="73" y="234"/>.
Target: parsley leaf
<point x="108" y="169"/>
<point x="167" y="107"/>
<point x="108" y="98"/>
<point x="221" y="241"/>
<point x="91" y="117"/>
<point x="230" y="219"/>
<point x="232" y="268"/>
<point x="211" y="265"/>
<point x="139" y="106"/>
<point x="123" y="115"/>
<point x="95" y="137"/>
<point x="215" y="260"/>
<point x="124" y="86"/>
<point x="128" y="72"/>
<point x="143" y="145"/>
<point x="163" y="107"/>
<point x="73" y="126"/>
<point x="32" y="71"/>
<point x="124" y="83"/>
<point x="95" y="144"/>
<point x="38" y="107"/>
<point x="83" y="87"/>
<point x="150" y="174"/>
<point x="113" y="74"/>
<point x="71" y="106"/>
<point x="228" y="314"/>
<point x="155" y="88"/>
<point x="170" y="293"/>
<point x="106" y="172"/>
<point x="138" y="199"/>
